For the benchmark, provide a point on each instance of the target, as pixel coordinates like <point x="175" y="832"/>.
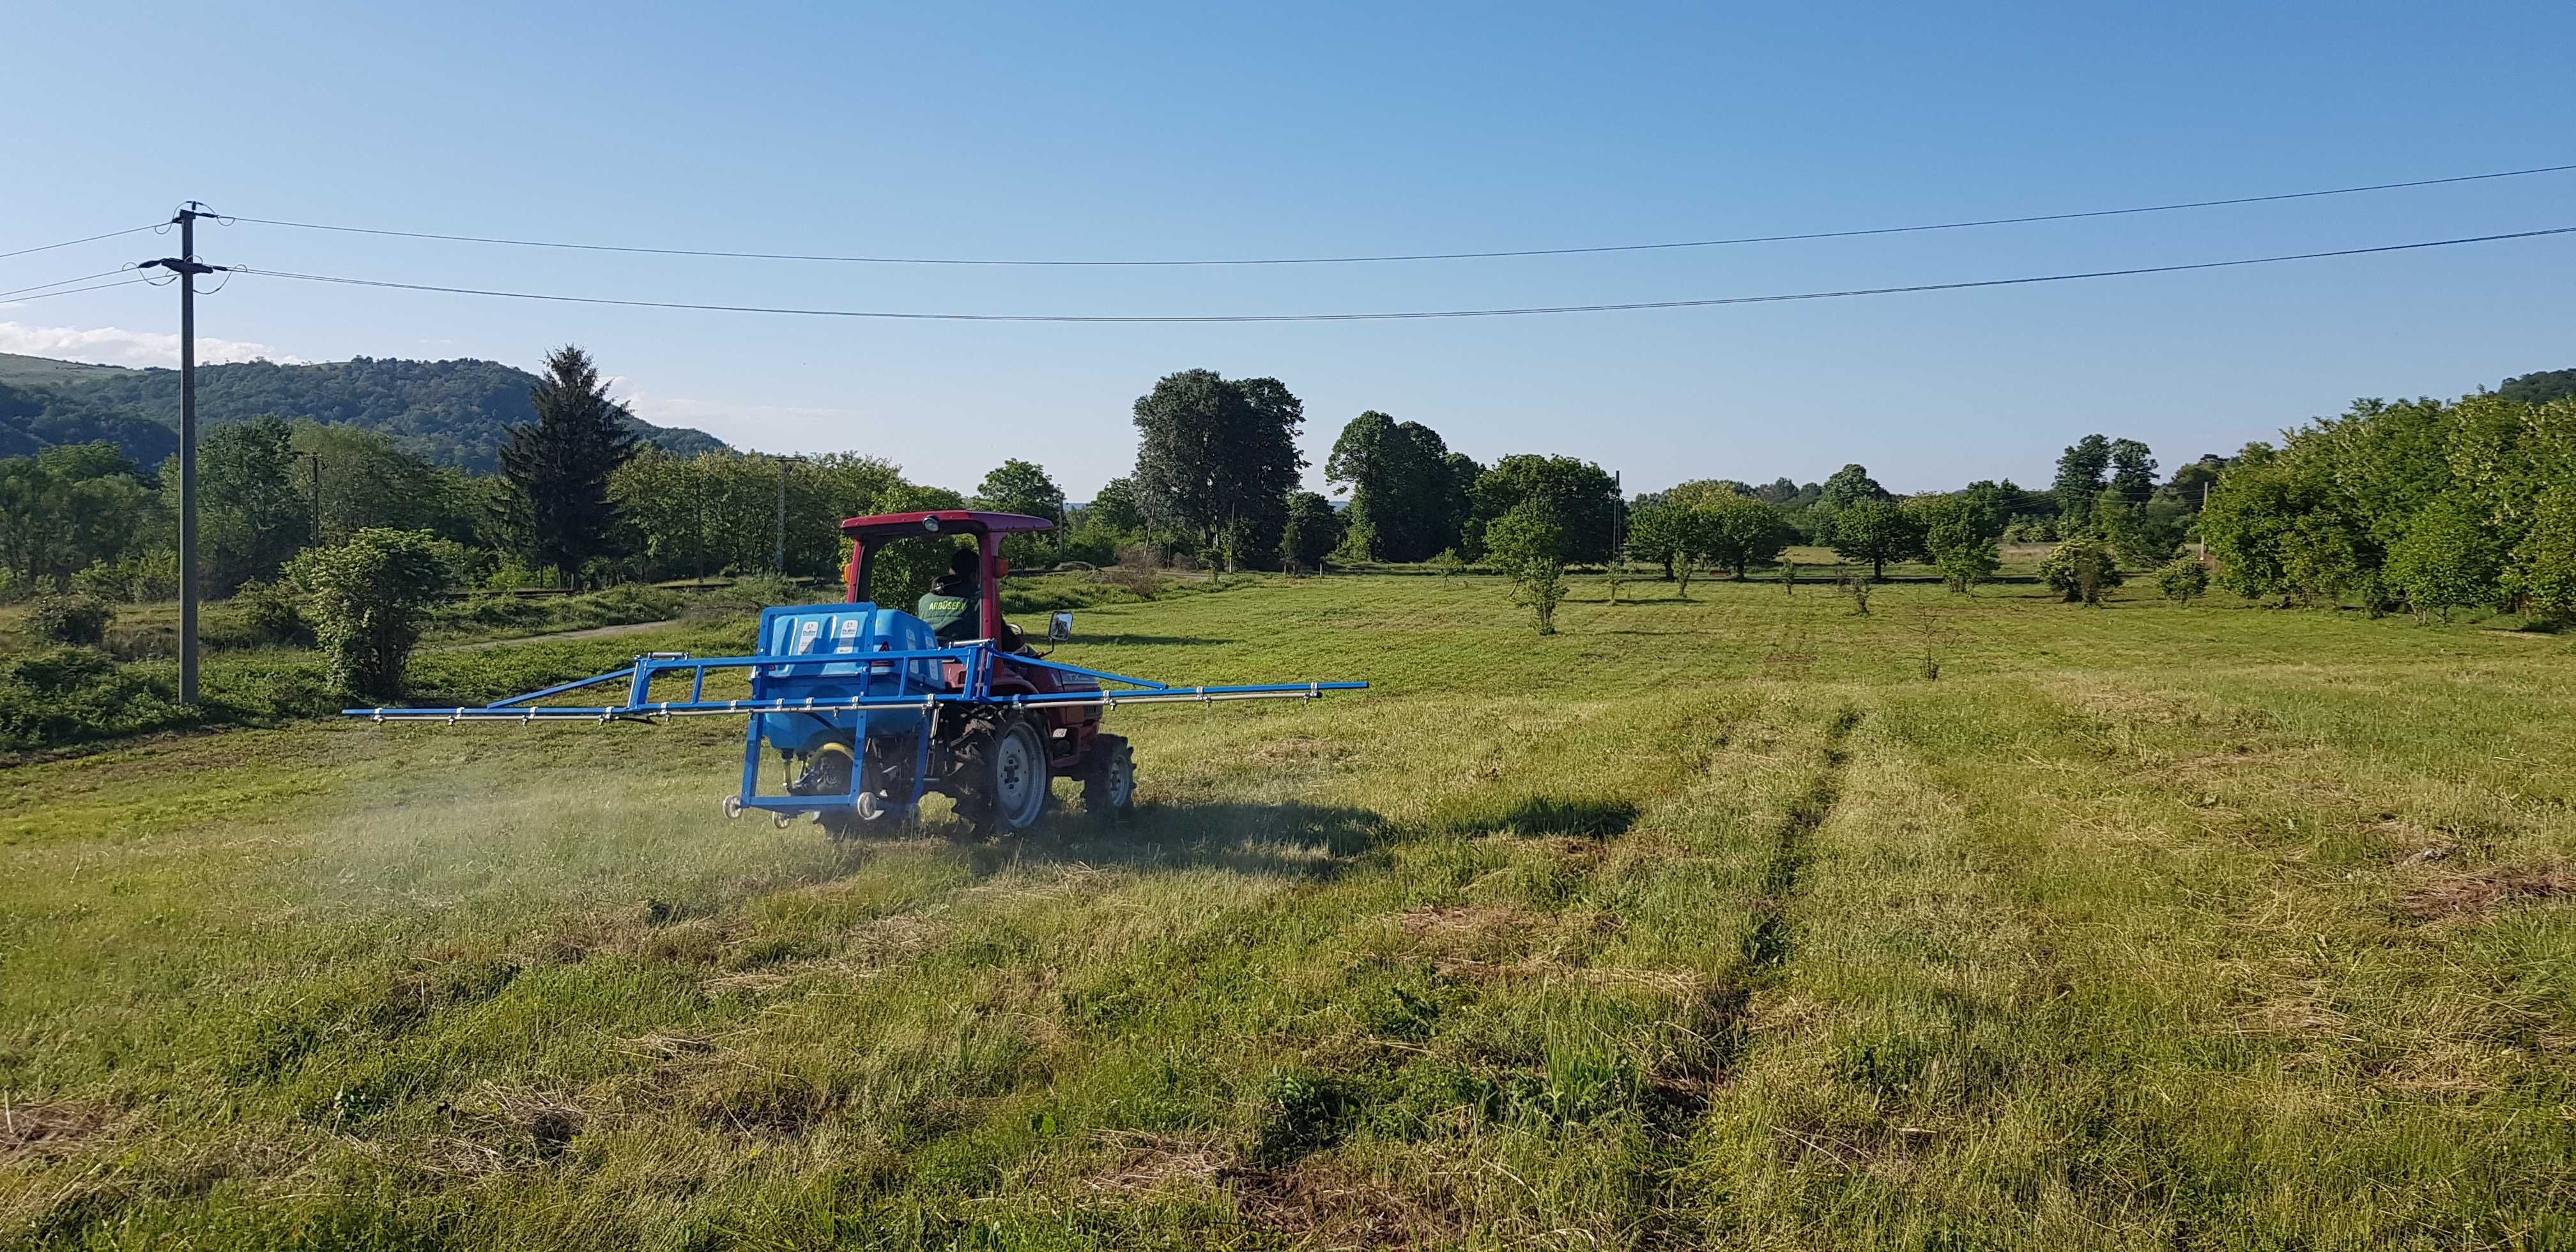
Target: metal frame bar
<point x="978" y="659"/>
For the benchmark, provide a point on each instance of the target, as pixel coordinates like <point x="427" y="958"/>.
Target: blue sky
<point x="1155" y="131"/>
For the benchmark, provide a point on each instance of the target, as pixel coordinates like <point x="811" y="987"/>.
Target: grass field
<point x="1978" y="921"/>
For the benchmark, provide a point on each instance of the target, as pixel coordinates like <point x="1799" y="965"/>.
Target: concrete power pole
<point x="185" y="268"/>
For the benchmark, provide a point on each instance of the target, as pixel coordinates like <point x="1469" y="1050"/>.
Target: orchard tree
<point x="1743" y="532"/>
<point x="1655" y="534"/>
<point x="1528" y="544"/>
<point x="1217" y="457"/>
<point x="1876" y="531"/>
<point x="1959" y="533"/>
<point x="558" y="467"/>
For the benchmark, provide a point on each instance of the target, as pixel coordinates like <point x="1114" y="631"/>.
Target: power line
<point x="77" y="290"/>
<point x="1423" y="256"/>
<point x="90" y="239"/>
<point x="1534" y="310"/>
<point x="68" y="281"/>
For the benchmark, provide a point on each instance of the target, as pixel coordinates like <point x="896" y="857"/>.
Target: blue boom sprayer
<point x="871" y="711"/>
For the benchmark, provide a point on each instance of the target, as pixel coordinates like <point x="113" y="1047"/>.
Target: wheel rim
<point x="1019" y="778"/>
<point x="1122" y="779"/>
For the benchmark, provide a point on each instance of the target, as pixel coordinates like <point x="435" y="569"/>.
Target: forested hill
<point x="452" y="412"/>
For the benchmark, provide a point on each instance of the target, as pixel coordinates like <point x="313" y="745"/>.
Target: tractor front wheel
<point x="1004" y="787"/>
<point x="1109" y="779"/>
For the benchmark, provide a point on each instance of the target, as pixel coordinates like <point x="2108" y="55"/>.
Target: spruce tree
<point x="557" y="507"/>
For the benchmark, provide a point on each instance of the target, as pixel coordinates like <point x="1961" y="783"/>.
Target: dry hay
<point x="1313" y="1202"/>
<point x="2470" y="895"/>
<point x="50" y="1128"/>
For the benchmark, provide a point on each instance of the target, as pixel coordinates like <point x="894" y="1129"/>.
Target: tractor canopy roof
<point x="942" y="522"/>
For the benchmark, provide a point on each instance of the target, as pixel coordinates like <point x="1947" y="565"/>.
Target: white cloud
<point x="110" y="345"/>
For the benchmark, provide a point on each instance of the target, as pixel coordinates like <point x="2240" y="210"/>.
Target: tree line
<point x="2425" y="505"/>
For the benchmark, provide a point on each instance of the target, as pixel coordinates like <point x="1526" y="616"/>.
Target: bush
<point x="273" y="614"/>
<point x="2183" y="579"/>
<point x="66" y="695"/>
<point x="80" y="620"/>
<point x="1140" y="580"/>
<point x="2081" y="569"/>
<point x="367" y="598"/>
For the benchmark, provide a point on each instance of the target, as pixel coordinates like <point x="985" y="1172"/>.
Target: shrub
<point x="80" y="620"/>
<point x="367" y="597"/>
<point x="1449" y="563"/>
<point x="272" y="614"/>
<point x="2081" y="569"/>
<point x="2542" y="571"/>
<point x="1139" y="579"/>
<point x="2183" y="579"/>
<point x="65" y="695"/>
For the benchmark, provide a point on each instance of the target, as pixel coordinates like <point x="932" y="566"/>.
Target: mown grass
<point x="1699" y="924"/>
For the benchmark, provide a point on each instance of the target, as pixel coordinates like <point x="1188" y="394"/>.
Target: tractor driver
<point x="949" y="606"/>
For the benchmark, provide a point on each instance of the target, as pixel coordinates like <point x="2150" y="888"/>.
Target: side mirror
<point x="1060" y="626"/>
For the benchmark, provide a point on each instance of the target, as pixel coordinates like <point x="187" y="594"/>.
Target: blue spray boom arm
<point x="976" y="659"/>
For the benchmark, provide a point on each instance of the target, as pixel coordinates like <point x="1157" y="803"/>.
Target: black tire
<point x="1002" y="778"/>
<point x="827" y="773"/>
<point x="1109" y="779"/>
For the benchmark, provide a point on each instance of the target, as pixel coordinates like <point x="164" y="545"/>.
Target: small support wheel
<point x="1109" y="779"/>
<point x="733" y="806"/>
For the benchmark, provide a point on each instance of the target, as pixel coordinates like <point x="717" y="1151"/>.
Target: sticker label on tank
<point x="807" y="632"/>
<point x="848" y="633"/>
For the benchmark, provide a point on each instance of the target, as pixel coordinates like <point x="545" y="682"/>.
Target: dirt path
<point x="588" y="632"/>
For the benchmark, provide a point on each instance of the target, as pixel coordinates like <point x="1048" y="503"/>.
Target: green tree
<point x="1958" y="533"/>
<point x="352" y="479"/>
<point x="2080" y="479"/>
<point x="364" y="602"/>
<point x="1581" y="496"/>
<point x="559" y="466"/>
<point x="1314" y="529"/>
<point x="1528" y="543"/>
<point x="1217" y="455"/>
<point x="1743" y="532"/>
<point x="1017" y="486"/>
<point x="1876" y="531"/>
<point x="1656" y="536"/>
<point x="2542" y="572"/>
<point x="2446" y="560"/>
<point x="250" y="516"/>
<point x="1399" y="479"/>
<point x="2133" y="472"/>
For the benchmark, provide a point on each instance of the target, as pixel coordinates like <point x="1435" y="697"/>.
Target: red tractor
<point x="870" y="709"/>
<point x="995" y="759"/>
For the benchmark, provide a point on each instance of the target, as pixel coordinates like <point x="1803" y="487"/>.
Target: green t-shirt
<point x="949" y="616"/>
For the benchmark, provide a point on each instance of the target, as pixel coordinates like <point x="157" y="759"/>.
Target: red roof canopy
<point x="942" y="522"/>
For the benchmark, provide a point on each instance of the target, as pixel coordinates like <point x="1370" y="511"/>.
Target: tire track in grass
<point x="1686" y="1088"/>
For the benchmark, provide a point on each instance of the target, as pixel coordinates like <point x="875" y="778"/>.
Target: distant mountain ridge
<point x="455" y="412"/>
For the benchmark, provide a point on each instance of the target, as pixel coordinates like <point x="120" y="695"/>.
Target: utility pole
<point x="1618" y="506"/>
<point x="783" y="463"/>
<point x="316" y="459"/>
<point x="185" y="267"/>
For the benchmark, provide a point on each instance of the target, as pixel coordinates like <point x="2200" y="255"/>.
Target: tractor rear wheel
<point x="1003" y="783"/>
<point x="1109" y="779"/>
